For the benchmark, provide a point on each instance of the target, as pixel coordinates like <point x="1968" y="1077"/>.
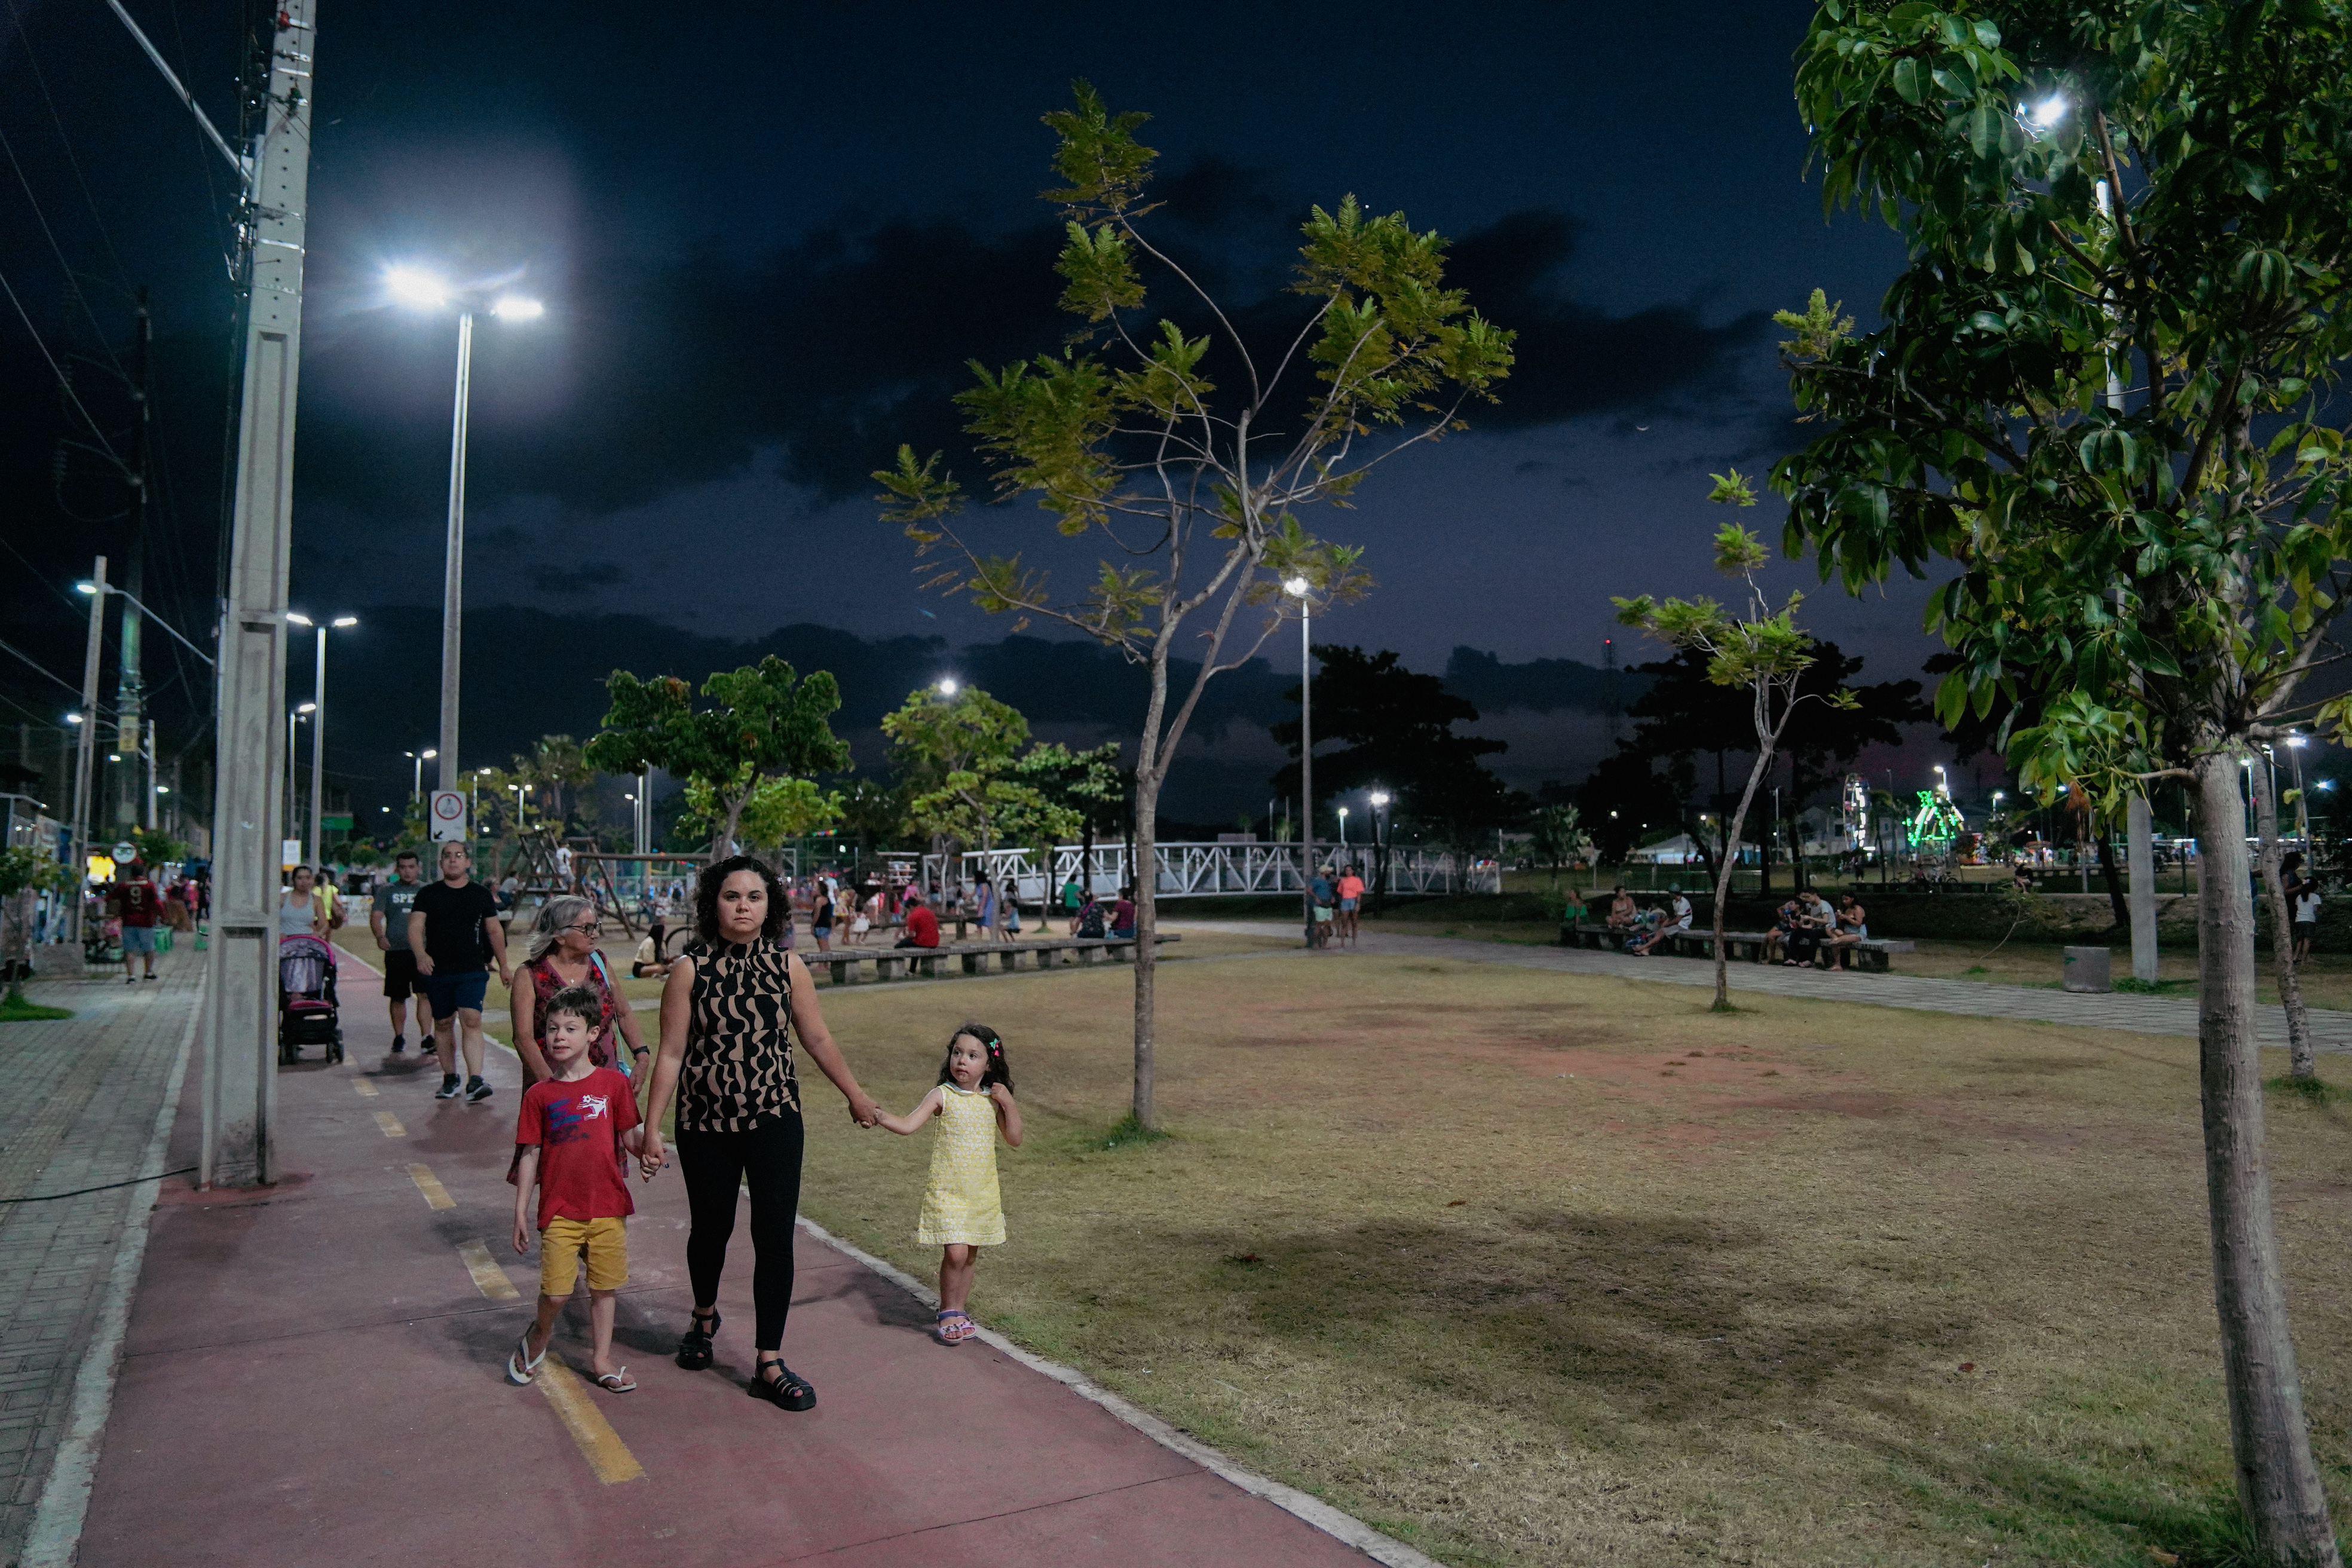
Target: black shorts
<point x="400" y="979"/>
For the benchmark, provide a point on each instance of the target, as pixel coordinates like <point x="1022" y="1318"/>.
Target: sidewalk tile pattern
<point x="83" y="1094"/>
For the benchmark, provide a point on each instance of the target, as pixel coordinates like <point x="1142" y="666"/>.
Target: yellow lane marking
<point x="576" y="1409"/>
<point x="364" y="1089"/>
<point x="390" y="1124"/>
<point x="436" y="1195"/>
<point x="489" y="1277"/>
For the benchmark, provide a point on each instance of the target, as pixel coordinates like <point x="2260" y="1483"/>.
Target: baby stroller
<point x="307" y="1011"/>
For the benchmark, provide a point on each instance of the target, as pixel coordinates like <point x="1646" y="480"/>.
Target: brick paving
<point x="84" y="1094"/>
<point x="2331" y="1029"/>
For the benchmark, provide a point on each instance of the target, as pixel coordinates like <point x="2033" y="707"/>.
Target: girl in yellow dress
<point x="961" y="1209"/>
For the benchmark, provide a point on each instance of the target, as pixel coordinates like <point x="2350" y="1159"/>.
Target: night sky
<point x="769" y="237"/>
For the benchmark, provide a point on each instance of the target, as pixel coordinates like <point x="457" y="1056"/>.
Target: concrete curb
<point x="1341" y="1526"/>
<point x="58" y="1518"/>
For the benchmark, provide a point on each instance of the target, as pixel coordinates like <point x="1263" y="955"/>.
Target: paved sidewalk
<point x="83" y="1094"/>
<point x="2331" y="1029"/>
<point x="314" y="1375"/>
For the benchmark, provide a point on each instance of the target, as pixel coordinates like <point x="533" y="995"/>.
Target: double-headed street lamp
<point x="294" y="716"/>
<point x="424" y="291"/>
<point x="319" y="724"/>
<point x="416" y="783"/>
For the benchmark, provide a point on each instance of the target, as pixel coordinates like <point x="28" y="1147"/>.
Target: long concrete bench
<point x="1872" y="952"/>
<point x="847" y="964"/>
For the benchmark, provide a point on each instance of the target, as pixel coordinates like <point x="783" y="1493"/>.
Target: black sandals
<point x="694" y="1345"/>
<point x="787" y="1389"/>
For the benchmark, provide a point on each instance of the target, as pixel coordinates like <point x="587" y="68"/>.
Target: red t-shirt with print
<point x="139" y="902"/>
<point x="577" y="1125"/>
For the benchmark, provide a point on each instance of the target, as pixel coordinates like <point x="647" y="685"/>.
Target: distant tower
<point x="1612" y="700"/>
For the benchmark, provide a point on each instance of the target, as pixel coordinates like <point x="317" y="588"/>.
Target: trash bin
<point x="2087" y="969"/>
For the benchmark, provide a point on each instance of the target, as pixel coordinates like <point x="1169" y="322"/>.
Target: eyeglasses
<point x="586" y="930"/>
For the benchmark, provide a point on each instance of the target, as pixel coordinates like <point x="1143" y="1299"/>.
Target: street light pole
<point x="317" y="847"/>
<point x="86" y="752"/>
<point x="453" y="573"/>
<point x="1298" y="588"/>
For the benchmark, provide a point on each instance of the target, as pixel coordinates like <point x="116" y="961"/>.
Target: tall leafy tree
<point x="1194" y="450"/>
<point x="1754" y="648"/>
<point x="1081" y="790"/>
<point x="951" y="753"/>
<point x="2101" y="392"/>
<point x="761" y="721"/>
<point x="1397" y="726"/>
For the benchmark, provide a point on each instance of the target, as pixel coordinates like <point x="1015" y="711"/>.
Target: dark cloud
<point x="839" y="346"/>
<point x="1574" y="360"/>
<point x="581" y="579"/>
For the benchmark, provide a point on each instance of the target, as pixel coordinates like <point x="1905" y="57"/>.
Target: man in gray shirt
<point x="389" y="920"/>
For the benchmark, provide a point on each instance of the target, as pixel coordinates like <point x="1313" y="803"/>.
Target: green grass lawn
<point x="1531" y="1269"/>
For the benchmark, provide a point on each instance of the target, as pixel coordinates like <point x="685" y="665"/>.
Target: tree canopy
<point x="2102" y="391"/>
<point x="763" y="722"/>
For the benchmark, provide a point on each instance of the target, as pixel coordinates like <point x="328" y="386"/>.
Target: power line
<point x="58" y="250"/>
<point x="96" y="434"/>
<point x="9" y="647"/>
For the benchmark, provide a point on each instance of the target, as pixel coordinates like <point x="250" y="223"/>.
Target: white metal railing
<point x="1205" y="870"/>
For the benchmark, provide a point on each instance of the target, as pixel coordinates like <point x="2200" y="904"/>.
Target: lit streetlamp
<point x="319" y="725"/>
<point x="2294" y="744"/>
<point x="293" y="717"/>
<point x="1299" y="588"/>
<point x="422" y="291"/>
<point x="417" y="780"/>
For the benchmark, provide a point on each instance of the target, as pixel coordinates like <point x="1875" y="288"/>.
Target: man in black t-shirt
<point x="454" y="931"/>
<point x="394" y="903"/>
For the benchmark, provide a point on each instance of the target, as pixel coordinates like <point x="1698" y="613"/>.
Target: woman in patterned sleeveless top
<point x="730" y="1008"/>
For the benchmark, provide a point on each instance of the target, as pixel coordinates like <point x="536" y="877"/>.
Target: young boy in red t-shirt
<point x="574" y="1127"/>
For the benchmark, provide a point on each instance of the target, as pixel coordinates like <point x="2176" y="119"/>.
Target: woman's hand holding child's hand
<point x="650" y="1156"/>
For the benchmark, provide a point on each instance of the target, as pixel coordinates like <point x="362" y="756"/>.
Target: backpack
<point x="1090" y="920"/>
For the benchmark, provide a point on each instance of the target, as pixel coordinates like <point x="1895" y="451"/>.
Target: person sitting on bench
<point x="1679" y="918"/>
<point x="1852" y="927"/>
<point x="1622" y="912"/>
<point x="923" y="926"/>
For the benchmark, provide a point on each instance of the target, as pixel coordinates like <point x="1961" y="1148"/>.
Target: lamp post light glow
<point x="318" y="727"/>
<point x="417" y="780"/>
<point x="1298" y="588"/>
<point x="947" y="687"/>
<point x="424" y="290"/>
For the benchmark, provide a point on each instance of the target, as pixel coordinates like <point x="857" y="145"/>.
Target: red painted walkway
<point x="313" y="1376"/>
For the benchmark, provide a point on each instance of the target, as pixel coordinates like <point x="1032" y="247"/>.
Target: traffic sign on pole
<point x="448" y="816"/>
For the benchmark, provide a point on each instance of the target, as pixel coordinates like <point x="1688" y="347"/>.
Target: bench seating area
<point x="849" y="966"/>
<point x="1872" y="952"/>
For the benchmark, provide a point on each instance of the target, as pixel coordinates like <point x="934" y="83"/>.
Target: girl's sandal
<point x="788" y="1390"/>
<point x="521" y="1364"/>
<point x="694" y="1345"/>
<point x="953" y="1327"/>
<point x="618" y="1382"/>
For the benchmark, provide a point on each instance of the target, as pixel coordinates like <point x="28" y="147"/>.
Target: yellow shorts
<point x="606" y="1243"/>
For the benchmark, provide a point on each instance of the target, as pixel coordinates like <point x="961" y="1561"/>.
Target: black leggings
<point x="715" y="1165"/>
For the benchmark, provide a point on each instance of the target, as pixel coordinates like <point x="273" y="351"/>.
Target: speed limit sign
<point x="448" y="816"/>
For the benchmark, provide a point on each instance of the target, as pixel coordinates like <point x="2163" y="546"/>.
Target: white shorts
<point x="861" y="925"/>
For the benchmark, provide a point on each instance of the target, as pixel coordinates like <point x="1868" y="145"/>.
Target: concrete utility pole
<point x="240" y="1079"/>
<point x="130" y="684"/>
<point x="1298" y="586"/>
<point x="453" y="570"/>
<point x="86" y="745"/>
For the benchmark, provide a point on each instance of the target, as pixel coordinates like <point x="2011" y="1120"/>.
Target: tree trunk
<point x="1723" y="879"/>
<point x="2302" y="1061"/>
<point x="2278" y="1482"/>
<point x="1146" y="823"/>
<point x="2116" y="902"/>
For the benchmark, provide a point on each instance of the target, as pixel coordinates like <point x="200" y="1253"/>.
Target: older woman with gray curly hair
<point x="563" y="952"/>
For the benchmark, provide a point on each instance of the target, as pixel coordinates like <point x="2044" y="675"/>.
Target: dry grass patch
<point x="1530" y="1269"/>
